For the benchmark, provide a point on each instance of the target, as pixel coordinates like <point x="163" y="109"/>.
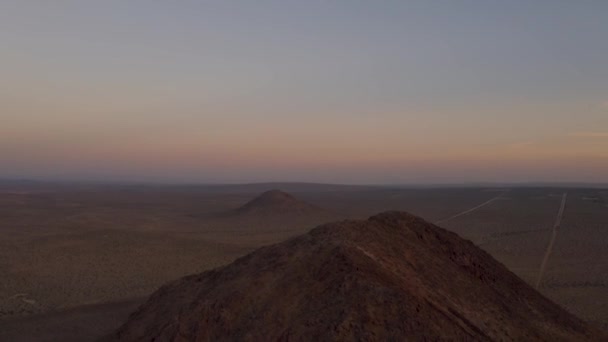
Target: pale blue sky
<point x="354" y="91"/>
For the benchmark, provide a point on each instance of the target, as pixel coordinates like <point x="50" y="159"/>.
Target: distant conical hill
<point x="277" y="202"/>
<point x="393" y="277"/>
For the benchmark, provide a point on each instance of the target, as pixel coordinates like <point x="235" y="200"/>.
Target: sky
<point x="329" y="91"/>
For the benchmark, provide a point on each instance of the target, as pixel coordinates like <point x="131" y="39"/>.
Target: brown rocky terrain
<point x="391" y="277"/>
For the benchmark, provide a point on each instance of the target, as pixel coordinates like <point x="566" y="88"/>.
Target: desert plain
<point x="77" y="259"/>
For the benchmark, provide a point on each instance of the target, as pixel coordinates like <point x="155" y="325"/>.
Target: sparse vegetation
<point x="64" y="248"/>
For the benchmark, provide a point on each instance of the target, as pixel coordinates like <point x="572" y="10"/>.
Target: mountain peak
<point x="393" y="276"/>
<point x="276" y="202"/>
<point x="275" y="196"/>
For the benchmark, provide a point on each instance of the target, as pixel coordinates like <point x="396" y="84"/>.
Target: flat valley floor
<point x="76" y="260"/>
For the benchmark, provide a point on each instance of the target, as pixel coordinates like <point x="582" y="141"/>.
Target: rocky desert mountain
<point x="392" y="277"/>
<point x="276" y="203"/>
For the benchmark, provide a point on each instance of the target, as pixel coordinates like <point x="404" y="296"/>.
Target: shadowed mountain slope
<point x="391" y="277"/>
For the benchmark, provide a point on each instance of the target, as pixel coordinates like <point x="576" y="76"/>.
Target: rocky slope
<point x="391" y="277"/>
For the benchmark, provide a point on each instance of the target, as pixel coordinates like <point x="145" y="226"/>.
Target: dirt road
<point x="558" y="221"/>
<point x="470" y="210"/>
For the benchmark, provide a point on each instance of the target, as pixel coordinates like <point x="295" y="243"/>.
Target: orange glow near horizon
<point x="216" y="94"/>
